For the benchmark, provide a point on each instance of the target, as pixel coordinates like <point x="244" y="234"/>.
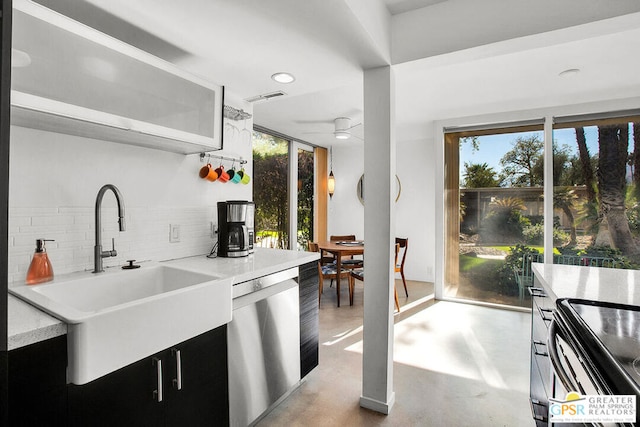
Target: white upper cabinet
<point x="72" y="79"/>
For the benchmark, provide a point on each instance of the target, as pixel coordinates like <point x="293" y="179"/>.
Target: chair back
<point x="401" y="244"/>
<point x="346" y="237"/>
<point x="313" y="247"/>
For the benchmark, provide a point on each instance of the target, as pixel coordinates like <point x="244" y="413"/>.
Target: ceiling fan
<point x="342" y="128"/>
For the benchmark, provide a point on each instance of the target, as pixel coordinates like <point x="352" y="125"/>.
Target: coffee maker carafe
<point x="233" y="236"/>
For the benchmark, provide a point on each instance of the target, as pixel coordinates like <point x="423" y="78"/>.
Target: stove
<point x="594" y="347"/>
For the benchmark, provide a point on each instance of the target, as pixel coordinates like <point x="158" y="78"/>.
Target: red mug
<point x="223" y="176"/>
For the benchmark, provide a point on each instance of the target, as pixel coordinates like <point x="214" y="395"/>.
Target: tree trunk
<point x="636" y="159"/>
<point x="585" y="162"/>
<point x="613" y="141"/>
<point x="567" y="211"/>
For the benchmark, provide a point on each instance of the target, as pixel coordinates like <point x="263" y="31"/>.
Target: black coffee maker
<point x="250" y="223"/>
<point x="233" y="235"/>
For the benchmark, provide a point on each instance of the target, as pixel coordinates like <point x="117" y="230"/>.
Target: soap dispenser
<point x="40" y="269"/>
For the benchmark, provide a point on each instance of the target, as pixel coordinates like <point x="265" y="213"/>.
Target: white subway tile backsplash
<point x="31" y="212"/>
<point x="146" y="236"/>
<point x="51" y="220"/>
<point x="17" y="221"/>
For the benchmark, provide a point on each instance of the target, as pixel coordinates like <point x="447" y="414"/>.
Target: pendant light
<point x="331" y="182"/>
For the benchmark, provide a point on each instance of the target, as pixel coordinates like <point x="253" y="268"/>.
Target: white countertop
<point x="591" y="283"/>
<point x="261" y="263"/>
<point x="28" y="325"/>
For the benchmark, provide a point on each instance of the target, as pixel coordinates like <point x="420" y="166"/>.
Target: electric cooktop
<point x="610" y="335"/>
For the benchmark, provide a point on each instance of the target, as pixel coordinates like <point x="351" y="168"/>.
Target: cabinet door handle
<point x="177" y="381"/>
<point x="542" y="314"/>
<point x="157" y="393"/>
<point x="536" y="292"/>
<point x="535" y="348"/>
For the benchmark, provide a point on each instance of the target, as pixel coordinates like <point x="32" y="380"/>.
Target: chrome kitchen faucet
<point x="98" y="254"/>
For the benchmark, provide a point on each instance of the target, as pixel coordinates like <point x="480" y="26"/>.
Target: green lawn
<point x="538" y="248"/>
<point x="468" y="263"/>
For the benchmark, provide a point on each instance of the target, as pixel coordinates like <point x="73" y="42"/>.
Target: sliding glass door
<point x="494" y="199"/>
<point x="283" y="176"/>
<point x="271" y="190"/>
<point x="305" y="200"/>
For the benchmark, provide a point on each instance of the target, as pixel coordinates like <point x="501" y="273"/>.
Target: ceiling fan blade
<point x="317" y="133"/>
<point x="356" y="125"/>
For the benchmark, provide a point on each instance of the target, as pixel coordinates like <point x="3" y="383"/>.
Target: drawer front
<point x="539" y="327"/>
<point x="541" y="361"/>
<point x="538" y="393"/>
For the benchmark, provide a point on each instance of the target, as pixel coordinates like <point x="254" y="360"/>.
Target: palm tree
<point x="564" y="198"/>
<point x="613" y="141"/>
<point x="585" y="163"/>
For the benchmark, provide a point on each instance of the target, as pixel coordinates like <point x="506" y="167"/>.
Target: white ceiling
<point x="396" y="7"/>
<point x="327" y="43"/>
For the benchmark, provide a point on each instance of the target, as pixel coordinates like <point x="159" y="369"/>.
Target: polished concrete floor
<point x="454" y="365"/>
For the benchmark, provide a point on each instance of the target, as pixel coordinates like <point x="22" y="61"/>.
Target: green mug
<point x="245" y="178"/>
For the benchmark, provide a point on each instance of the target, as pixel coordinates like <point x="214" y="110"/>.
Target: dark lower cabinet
<point x="309" y="329"/>
<point x="541" y="386"/>
<point x="183" y="385"/>
<point x="37" y="384"/>
<point x="204" y="395"/>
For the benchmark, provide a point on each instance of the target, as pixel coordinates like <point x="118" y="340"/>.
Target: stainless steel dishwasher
<point x="264" y="345"/>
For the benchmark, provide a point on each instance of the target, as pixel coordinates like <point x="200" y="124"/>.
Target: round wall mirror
<point x="360" y="189"/>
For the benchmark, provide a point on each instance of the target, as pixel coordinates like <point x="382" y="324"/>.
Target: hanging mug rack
<point x="204" y="156"/>
<point x="219" y="174"/>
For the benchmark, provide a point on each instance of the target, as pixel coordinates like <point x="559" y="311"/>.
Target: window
<point x="494" y="201"/>
<point x="597" y="191"/>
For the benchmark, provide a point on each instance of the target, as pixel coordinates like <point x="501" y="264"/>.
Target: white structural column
<point x="379" y="234"/>
<point x="548" y="190"/>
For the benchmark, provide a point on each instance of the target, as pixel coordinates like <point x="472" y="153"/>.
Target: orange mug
<point x="207" y="172"/>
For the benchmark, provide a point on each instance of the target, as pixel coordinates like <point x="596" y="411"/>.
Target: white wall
<point x="346" y="213"/>
<point x="415" y="212"/>
<point x="54" y="180"/>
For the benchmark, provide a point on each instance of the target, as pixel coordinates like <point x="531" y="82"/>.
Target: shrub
<point x="621" y="261"/>
<point x="504" y="223"/>
<point x="534" y="235"/>
<point x="506" y="277"/>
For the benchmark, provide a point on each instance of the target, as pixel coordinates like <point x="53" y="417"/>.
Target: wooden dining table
<point x="340" y="249"/>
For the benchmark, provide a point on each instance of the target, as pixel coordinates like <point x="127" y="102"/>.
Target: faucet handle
<point x="112" y="252"/>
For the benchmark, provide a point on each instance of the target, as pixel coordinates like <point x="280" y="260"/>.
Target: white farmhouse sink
<point x="118" y="317"/>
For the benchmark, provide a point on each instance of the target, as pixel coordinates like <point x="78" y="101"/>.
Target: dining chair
<point x="347" y="261"/>
<point x="328" y="271"/>
<point x="401" y="245"/>
<point x="358" y="273"/>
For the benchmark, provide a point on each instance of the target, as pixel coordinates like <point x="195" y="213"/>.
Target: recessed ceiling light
<point x="569" y="73"/>
<point x="283" y="77"/>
